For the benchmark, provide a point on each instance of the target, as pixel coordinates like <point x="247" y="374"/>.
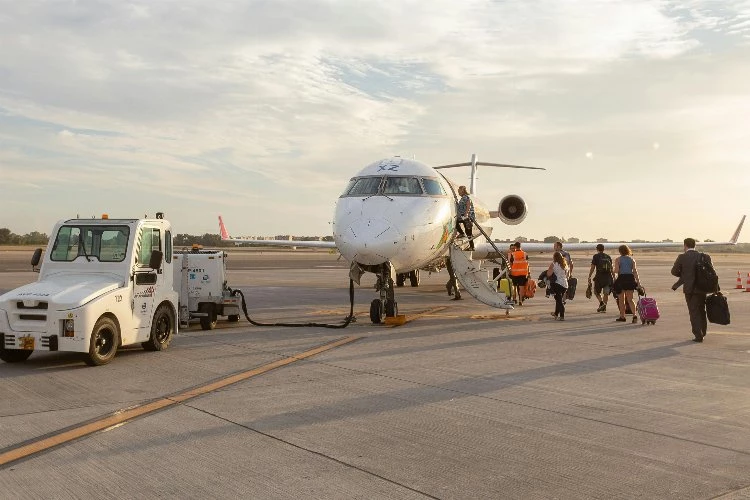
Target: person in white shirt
<point x="559" y="269"/>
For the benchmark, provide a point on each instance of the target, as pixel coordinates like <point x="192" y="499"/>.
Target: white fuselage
<point x="399" y="211"/>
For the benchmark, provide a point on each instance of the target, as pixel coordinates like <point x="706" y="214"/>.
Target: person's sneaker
<point x="601" y="308"/>
<point x="620" y="319"/>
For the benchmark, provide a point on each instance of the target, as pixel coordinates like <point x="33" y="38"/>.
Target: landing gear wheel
<point x="208" y="322"/>
<point x="414" y="277"/>
<point x="15" y="355"/>
<point x="391" y="308"/>
<point x="377" y="311"/>
<point x="105" y="337"/>
<point x="400" y="279"/>
<point x="162" y="329"/>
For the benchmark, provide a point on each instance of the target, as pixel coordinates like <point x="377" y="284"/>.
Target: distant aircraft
<point x="398" y="216"/>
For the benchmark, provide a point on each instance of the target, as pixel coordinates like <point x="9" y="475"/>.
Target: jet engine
<point x="512" y="210"/>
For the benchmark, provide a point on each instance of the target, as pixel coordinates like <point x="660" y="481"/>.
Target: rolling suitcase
<point x="648" y="310"/>
<point x="717" y="309"/>
<point x="572" y="285"/>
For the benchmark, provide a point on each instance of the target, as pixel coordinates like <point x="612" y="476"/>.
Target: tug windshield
<point x="104" y="243"/>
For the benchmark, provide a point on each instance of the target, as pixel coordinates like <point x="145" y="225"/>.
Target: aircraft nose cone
<point x="369" y="241"/>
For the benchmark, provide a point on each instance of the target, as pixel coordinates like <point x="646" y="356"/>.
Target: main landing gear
<point x="412" y="276"/>
<point x="386" y="305"/>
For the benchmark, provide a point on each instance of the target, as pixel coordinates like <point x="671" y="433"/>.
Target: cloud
<point x="244" y="104"/>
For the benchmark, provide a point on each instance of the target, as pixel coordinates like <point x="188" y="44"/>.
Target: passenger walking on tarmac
<point x="519" y="271"/>
<point x="559" y="269"/>
<point x="601" y="264"/>
<point x="559" y="248"/>
<point x="626" y="281"/>
<point x="465" y="216"/>
<point x="684" y="269"/>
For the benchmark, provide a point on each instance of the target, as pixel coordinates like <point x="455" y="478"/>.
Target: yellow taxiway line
<point x="122" y="416"/>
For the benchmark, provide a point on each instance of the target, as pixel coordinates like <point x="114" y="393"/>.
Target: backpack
<point x="706" y="279"/>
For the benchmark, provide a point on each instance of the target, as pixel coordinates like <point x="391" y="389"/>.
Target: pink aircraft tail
<point x="223" y="230"/>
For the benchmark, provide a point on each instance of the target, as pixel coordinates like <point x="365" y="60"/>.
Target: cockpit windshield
<point x="394" y="185"/>
<point x="365" y="186"/>
<point x="105" y="243"/>
<point x="402" y="185"/>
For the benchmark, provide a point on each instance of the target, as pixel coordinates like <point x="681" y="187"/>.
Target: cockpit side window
<point x="433" y="187"/>
<point x="365" y="186"/>
<point x="402" y="185"/>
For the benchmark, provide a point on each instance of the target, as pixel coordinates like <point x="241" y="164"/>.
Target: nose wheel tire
<point x="391" y="308"/>
<point x="377" y="311"/>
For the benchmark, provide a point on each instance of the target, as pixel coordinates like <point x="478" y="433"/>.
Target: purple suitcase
<point x="647" y="310"/>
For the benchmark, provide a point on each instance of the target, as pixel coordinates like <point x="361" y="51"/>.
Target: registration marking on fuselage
<point x="121" y="417"/>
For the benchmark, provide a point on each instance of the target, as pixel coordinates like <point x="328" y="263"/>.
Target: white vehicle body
<point x="95" y="289"/>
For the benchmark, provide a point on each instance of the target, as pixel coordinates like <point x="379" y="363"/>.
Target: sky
<point x="261" y="111"/>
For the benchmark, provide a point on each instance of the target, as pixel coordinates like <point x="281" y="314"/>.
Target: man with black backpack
<point x="601" y="263"/>
<point x="698" y="278"/>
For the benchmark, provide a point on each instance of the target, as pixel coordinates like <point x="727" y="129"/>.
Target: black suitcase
<point x="572" y="284"/>
<point x="717" y="309"/>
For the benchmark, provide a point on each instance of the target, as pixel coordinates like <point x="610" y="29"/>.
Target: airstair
<point x="476" y="281"/>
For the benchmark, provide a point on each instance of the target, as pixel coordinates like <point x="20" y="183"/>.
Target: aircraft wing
<point x="272" y="243"/>
<point x="485" y="250"/>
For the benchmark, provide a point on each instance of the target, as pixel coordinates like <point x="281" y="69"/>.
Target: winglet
<point x="736" y="235"/>
<point x="225" y="234"/>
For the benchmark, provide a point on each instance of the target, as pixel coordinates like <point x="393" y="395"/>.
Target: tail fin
<point x="223" y="230"/>
<point x="736" y="234"/>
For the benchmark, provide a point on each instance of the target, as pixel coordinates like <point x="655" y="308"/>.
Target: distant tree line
<point x="7" y="237"/>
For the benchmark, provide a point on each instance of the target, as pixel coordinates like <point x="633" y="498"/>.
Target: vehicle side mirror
<point x="36" y="258"/>
<point x="156" y="259"/>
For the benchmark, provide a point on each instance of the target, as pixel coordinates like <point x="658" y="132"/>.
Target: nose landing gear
<point x="386" y="305"/>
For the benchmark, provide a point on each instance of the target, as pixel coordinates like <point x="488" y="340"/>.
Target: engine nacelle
<point x="512" y="210"/>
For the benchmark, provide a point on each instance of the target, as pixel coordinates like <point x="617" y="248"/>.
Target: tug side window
<point x="150" y="240"/>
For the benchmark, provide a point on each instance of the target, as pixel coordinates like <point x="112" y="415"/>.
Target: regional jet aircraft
<point x="398" y="216"/>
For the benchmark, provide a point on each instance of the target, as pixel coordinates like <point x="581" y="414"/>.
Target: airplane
<point x="398" y="216"/>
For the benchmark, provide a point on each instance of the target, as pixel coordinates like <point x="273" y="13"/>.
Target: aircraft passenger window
<point x="402" y="185"/>
<point x="433" y="187"/>
<point x="365" y="186"/>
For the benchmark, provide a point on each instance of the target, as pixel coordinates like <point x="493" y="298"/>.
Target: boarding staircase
<point x="475" y="280"/>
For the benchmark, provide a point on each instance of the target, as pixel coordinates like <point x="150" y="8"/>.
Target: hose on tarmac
<point x="346" y="322"/>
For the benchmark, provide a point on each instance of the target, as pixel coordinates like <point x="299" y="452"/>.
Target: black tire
<point x="414" y="277"/>
<point x="400" y="279"/>
<point x="208" y="322"/>
<point x="377" y="311"/>
<point x="233" y="318"/>
<point x="105" y="337"/>
<point x="162" y="329"/>
<point x="391" y="308"/>
<point x="15" y="355"/>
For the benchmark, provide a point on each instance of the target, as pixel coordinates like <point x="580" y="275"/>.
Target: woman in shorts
<point x="626" y="281"/>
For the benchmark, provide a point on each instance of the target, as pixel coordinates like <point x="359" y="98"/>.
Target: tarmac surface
<point x="460" y="402"/>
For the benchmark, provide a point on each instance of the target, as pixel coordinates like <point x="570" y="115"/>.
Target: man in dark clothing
<point x="601" y="263"/>
<point x="684" y="268"/>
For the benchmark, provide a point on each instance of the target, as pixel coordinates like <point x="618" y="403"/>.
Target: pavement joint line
<point x="314" y="452"/>
<point x="126" y="415"/>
